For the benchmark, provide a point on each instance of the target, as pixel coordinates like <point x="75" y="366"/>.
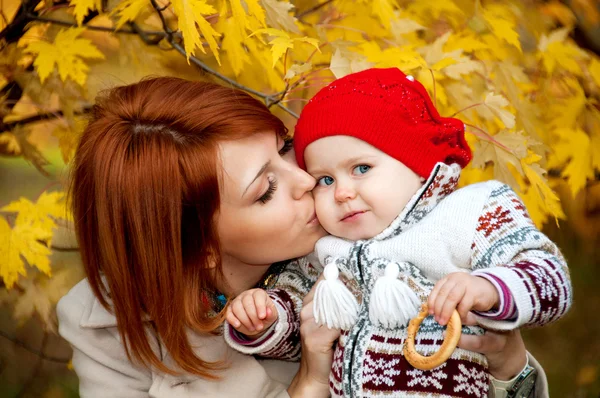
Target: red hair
<point x="144" y="195"/>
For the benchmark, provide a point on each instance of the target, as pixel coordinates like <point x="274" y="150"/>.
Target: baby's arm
<point x="282" y="339"/>
<point x="523" y="263"/>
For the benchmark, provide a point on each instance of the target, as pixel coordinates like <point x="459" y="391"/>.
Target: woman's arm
<point x="99" y="358"/>
<point x="506" y="355"/>
<point x="312" y="379"/>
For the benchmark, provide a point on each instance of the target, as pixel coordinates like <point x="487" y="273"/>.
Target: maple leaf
<point x="233" y="45"/>
<point x="82" y="7"/>
<point x="555" y="51"/>
<point x="384" y="10"/>
<point x="9" y="145"/>
<point x="507" y="148"/>
<point x="255" y="9"/>
<point x="283" y="42"/>
<point x="190" y="18"/>
<point x="39" y="215"/>
<point x="128" y="11"/>
<point x="34" y="299"/>
<point x="496" y="103"/>
<point x="297" y="69"/>
<point x="402" y="26"/>
<point x="22" y="241"/>
<point x="575" y="145"/>
<point x="501" y="24"/>
<point x="278" y="15"/>
<point x="67" y="53"/>
<point x="68" y="138"/>
<point x="539" y="191"/>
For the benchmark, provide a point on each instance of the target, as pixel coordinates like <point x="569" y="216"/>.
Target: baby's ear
<point x="422" y="179"/>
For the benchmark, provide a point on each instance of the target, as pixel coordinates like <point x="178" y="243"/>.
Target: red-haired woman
<point x="182" y="197"/>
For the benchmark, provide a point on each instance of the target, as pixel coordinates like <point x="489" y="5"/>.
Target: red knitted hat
<point x="388" y="110"/>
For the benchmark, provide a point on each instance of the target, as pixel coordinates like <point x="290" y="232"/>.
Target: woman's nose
<point x="303" y="183"/>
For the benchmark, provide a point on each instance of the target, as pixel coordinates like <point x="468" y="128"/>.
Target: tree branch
<point x="312" y="9"/>
<point x="40" y="117"/>
<point x="269" y="99"/>
<point x="21" y="344"/>
<point x="132" y="31"/>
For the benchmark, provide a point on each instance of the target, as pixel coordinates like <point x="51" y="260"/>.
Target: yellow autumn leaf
<point x="233" y="45"/>
<point x="82" y="7"/>
<point x="66" y="53"/>
<point x="33" y="300"/>
<point x="496" y="103"/>
<point x="435" y="56"/>
<point x="560" y="12"/>
<point x="539" y="186"/>
<point x="255" y="8"/>
<point x="239" y="15"/>
<point x="68" y="137"/>
<point x="20" y="242"/>
<point x="297" y="69"/>
<point x="41" y="213"/>
<point x="575" y="145"/>
<point x="555" y="50"/>
<point x="507" y="148"/>
<point x="190" y="18"/>
<point x="501" y="25"/>
<point x="9" y="145"/>
<point x="128" y="11"/>
<point x="384" y="10"/>
<point x="278" y="15"/>
<point x="594" y="69"/>
<point x="283" y="42"/>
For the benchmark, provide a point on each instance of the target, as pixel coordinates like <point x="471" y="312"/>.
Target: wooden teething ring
<point x="419" y="361"/>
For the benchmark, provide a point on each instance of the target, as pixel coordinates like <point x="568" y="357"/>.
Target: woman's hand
<point x="312" y="380"/>
<point x="505" y="351"/>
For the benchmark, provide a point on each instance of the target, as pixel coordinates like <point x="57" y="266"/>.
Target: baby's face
<point x="360" y="190"/>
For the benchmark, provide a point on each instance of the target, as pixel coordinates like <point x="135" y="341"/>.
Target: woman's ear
<point x="422" y="179"/>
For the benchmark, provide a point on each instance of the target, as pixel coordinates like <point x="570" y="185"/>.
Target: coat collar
<point x="442" y="181"/>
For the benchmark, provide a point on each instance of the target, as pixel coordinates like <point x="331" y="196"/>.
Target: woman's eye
<point x="268" y="195"/>
<point x="361" y="169"/>
<point x="325" y="181"/>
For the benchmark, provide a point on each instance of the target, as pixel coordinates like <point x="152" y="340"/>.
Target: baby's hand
<point x="252" y="312"/>
<point x="467" y="291"/>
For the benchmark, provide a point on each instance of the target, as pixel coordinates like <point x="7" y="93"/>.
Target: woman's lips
<point x="314" y="220"/>
<point x="353" y="215"/>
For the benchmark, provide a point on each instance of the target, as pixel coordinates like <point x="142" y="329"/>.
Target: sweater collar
<point x="441" y="182"/>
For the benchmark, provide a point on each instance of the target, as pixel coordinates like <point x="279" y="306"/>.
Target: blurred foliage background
<point x="524" y="76"/>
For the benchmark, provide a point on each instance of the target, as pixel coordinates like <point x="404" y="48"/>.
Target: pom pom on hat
<point x="388" y="110"/>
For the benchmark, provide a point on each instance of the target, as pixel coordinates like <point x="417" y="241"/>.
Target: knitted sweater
<point x="483" y="228"/>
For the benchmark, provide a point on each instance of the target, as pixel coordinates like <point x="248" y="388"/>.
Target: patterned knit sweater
<point x="484" y="229"/>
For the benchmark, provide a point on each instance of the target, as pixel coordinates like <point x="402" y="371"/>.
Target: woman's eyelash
<point x="268" y="195"/>
<point x="287" y="145"/>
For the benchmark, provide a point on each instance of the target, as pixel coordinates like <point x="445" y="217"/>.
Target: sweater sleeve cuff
<point x="507" y="309"/>
<point x="271" y="339"/>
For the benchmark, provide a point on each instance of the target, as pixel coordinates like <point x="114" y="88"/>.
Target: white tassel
<point x="334" y="305"/>
<point x="393" y="303"/>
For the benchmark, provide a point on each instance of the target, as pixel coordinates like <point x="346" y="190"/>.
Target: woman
<point x="183" y="195"/>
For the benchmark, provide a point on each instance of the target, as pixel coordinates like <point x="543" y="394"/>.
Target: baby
<point x="387" y="166"/>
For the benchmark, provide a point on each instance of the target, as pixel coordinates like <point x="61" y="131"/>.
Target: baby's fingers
<point x="239" y="311"/>
<point x="232" y="319"/>
<point x="261" y="301"/>
<point x="252" y="312"/>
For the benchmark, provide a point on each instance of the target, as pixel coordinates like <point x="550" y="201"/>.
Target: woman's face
<point x="267" y="211"/>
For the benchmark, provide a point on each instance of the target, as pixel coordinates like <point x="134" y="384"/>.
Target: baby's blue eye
<point x="361" y="169"/>
<point x="325" y="181"/>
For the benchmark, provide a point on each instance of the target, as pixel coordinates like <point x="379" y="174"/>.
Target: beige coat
<point x="104" y="371"/>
